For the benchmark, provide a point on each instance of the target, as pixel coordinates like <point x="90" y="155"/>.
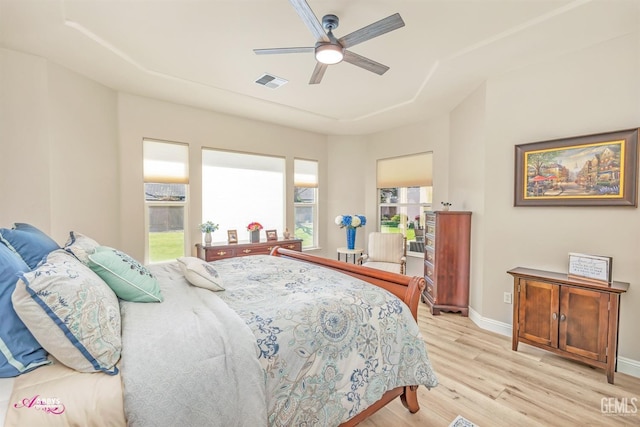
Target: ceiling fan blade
<point x="366" y="63"/>
<point x="376" y="29"/>
<point x="318" y="73"/>
<point x="279" y="50"/>
<point x="310" y="19"/>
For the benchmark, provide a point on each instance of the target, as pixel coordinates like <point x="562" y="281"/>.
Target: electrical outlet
<point x="507" y="298"/>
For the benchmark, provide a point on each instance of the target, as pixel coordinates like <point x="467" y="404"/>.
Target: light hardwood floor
<point x="483" y="380"/>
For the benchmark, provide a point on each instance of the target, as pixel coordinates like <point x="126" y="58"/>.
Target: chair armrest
<point x="363" y="257"/>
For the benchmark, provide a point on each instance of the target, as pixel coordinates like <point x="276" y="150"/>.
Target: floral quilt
<point x="330" y="344"/>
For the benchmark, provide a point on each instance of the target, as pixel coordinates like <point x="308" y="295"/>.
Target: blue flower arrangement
<point x="351" y="221"/>
<point x="208" y="227"/>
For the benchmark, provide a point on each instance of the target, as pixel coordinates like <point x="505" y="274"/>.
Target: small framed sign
<point x="272" y="235"/>
<point x="590" y="267"/>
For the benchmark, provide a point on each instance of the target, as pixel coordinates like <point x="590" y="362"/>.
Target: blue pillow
<point x="19" y="350"/>
<point x="29" y="242"/>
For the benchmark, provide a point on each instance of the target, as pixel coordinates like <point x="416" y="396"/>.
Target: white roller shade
<point x="166" y="162"/>
<point x="406" y="171"/>
<point x="305" y="173"/>
<point x="233" y="160"/>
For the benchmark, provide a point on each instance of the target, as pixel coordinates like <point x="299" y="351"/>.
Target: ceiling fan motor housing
<point x="330" y="22"/>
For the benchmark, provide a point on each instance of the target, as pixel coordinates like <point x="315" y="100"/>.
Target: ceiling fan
<point x="329" y="50"/>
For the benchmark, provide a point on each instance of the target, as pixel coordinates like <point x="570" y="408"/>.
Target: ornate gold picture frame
<point x="591" y="170"/>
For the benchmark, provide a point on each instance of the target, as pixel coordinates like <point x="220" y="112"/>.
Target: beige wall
<point x="577" y="94"/>
<point x="466" y="180"/>
<point x="346" y="179"/>
<point x="84" y="171"/>
<point x="59" y="152"/>
<point x="140" y="118"/>
<point x="594" y="90"/>
<point x="428" y="136"/>
<point x="473" y="148"/>
<point x="24" y="140"/>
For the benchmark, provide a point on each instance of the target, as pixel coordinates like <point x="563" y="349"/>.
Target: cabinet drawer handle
<point x="429" y="256"/>
<point x="554" y="316"/>
<point x="246" y="251"/>
<point x="270" y="248"/>
<point x="563" y="317"/>
<point x="429" y="273"/>
<point x="221" y="253"/>
<point x="291" y="246"/>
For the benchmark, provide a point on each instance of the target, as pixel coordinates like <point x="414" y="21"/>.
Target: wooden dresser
<point x="571" y="317"/>
<point x="214" y="252"/>
<point x="446" y="261"/>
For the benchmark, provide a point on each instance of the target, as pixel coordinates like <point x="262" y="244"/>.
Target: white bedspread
<point x="190" y="360"/>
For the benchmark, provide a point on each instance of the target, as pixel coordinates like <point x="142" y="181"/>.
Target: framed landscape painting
<point x="591" y="170"/>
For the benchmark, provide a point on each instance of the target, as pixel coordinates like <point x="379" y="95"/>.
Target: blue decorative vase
<point x="351" y="238"/>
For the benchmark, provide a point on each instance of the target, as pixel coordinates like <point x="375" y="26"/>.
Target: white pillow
<point x="72" y="313"/>
<point x="200" y="273"/>
<point x="81" y="246"/>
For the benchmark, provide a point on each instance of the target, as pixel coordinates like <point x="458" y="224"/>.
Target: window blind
<point x="305" y="173"/>
<point x="165" y="162"/>
<point x="406" y="171"/>
<point x="239" y="188"/>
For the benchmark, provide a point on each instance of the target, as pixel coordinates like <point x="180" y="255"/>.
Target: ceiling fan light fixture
<point x="328" y="53"/>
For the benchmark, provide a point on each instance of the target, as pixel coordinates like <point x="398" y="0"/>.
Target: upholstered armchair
<point x="386" y="251"/>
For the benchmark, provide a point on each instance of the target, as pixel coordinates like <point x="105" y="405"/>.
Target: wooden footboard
<point x="407" y="288"/>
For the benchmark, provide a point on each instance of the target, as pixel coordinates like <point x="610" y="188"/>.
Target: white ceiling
<point x="199" y="53"/>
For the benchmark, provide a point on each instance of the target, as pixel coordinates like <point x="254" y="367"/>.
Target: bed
<point x="293" y="339"/>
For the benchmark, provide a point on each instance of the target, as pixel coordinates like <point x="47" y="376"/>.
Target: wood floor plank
<point x="483" y="380"/>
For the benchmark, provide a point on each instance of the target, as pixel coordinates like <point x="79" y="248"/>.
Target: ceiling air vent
<point x="270" y="81"/>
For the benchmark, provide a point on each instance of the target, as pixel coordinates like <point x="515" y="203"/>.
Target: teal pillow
<point x="129" y="280"/>
<point x="29" y="242"/>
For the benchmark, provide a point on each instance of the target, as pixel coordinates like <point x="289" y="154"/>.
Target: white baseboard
<point x="628" y="366"/>
<point x="490" y="324"/>
<point x="625" y="365"/>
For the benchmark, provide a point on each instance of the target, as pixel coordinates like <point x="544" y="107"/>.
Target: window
<point x="240" y="188"/>
<point x="404" y="194"/>
<point x="305" y="202"/>
<point x="166" y="179"/>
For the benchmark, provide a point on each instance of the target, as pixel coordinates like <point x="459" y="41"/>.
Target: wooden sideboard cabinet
<point x="214" y="252"/>
<point x="571" y="317"/>
<point x="446" y="261"/>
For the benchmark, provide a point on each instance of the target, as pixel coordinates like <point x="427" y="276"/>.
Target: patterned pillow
<point x="129" y="279"/>
<point x="29" y="242"/>
<point x="71" y="312"/>
<point x="19" y="350"/>
<point x="200" y="273"/>
<point x="81" y="246"/>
